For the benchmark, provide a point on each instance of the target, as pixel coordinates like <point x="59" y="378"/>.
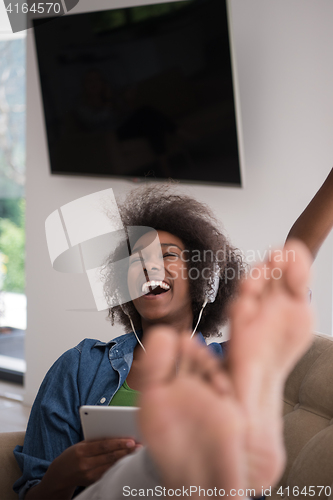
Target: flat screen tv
<point x="137" y="92"/>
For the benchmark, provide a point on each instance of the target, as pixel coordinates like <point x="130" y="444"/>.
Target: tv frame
<point x="85" y="6"/>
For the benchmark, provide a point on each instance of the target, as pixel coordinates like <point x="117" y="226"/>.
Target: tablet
<point x="100" y="422"/>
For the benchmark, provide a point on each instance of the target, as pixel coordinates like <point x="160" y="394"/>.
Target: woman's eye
<point x="169" y="254"/>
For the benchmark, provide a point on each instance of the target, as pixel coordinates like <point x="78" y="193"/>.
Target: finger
<point x="95" y="473"/>
<point x="106" y="459"/>
<point x="103" y="446"/>
<point x="159" y="361"/>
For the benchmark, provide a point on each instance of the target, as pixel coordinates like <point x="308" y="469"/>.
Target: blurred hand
<point x="84" y="463"/>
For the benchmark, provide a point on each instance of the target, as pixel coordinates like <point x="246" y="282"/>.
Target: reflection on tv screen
<point x="140" y="91"/>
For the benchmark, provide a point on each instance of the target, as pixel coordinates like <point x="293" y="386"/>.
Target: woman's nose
<point x="154" y="265"/>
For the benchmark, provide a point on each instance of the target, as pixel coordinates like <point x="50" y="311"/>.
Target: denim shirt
<point x="88" y="374"/>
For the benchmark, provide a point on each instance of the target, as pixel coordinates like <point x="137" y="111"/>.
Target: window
<point x="12" y="206"/>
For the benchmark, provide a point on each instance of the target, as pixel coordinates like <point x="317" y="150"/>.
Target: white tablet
<point x="100" y="422"/>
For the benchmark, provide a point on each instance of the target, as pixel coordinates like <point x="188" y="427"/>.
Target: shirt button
<point x="103" y="400"/>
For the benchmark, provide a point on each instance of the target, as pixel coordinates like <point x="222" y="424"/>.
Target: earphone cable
<point x="199" y="318"/>
<point x="137" y="338"/>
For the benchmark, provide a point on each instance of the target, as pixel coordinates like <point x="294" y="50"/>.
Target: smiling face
<point x="164" y="286"/>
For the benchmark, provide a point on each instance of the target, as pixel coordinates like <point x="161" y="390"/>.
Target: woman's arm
<point x="316" y="221"/>
<point x="54" y="460"/>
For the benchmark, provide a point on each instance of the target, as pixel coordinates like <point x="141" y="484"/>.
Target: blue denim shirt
<point x="88" y="374"/>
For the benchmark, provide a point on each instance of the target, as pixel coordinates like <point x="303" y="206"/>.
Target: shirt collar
<point x="130" y="339"/>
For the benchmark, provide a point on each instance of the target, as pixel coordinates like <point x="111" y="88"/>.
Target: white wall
<point x="285" y="71"/>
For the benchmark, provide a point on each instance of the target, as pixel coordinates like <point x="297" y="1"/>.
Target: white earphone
<point x="210" y="293"/>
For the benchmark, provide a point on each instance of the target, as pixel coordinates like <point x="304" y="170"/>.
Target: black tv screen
<point x="140" y="91"/>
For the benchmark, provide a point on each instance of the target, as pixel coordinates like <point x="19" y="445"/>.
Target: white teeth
<point x="154" y="284"/>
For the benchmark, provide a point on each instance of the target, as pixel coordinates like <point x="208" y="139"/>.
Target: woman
<point x="54" y="459"/>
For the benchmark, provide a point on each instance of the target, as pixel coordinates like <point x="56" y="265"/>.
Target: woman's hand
<point x="80" y="465"/>
<point x="85" y="462"/>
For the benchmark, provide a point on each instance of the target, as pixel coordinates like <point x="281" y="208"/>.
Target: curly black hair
<point x="158" y="207"/>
